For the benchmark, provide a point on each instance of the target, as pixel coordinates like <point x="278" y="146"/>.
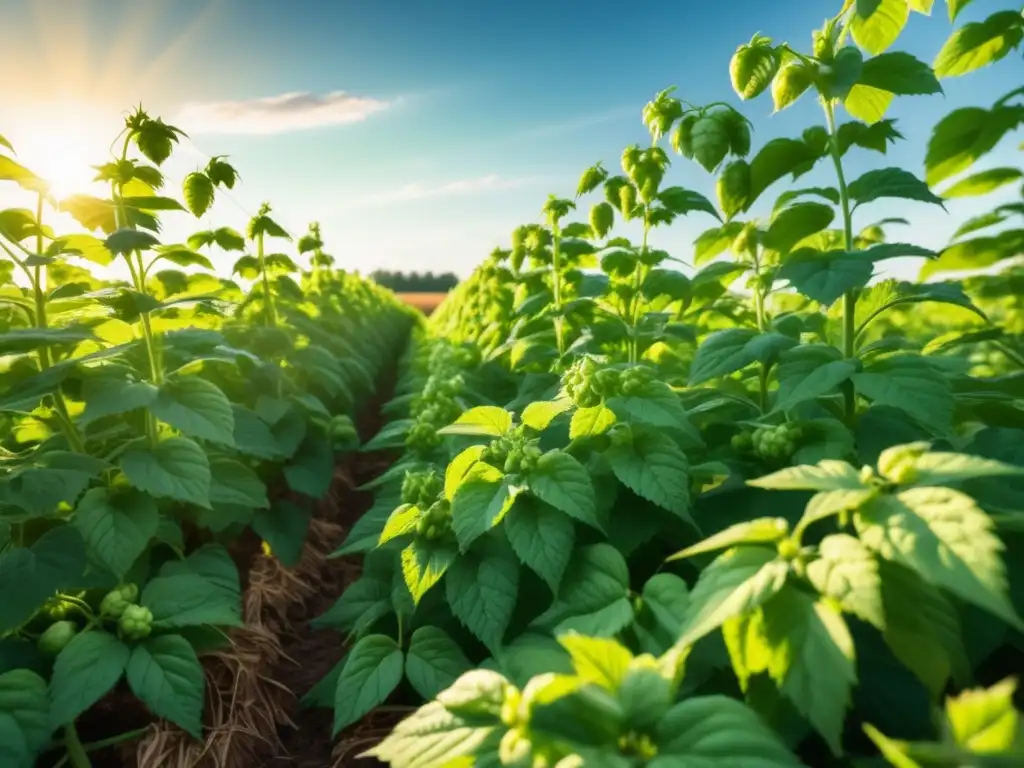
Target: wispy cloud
<point x="574" y="124"/>
<point x="283" y="113"/>
<point x="420" y="190"/>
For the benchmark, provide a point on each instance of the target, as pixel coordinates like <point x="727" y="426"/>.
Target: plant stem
<point x="76" y="750"/>
<point x="556" y="286"/>
<point x="45" y="361"/>
<point x="269" y="315"/>
<point x="110" y="741"/>
<point x="139" y="278"/>
<point x="850" y="297"/>
<point x="640" y="275"/>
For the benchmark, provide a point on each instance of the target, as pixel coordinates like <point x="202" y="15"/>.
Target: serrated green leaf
<point x="593" y="596"/>
<point x="705" y="730"/>
<point x="587" y="422"/>
<point x="737" y="581"/>
<point x="561" y="481"/>
<point x="486" y="420"/>
<point x="373" y="670"/>
<point x="899" y="73"/>
<point x="24" y="718"/>
<point x="980" y="43"/>
<point x="983" y="182"/>
<point x="483" y="499"/>
<point x="911" y="384"/>
<point x="890" y="183"/>
<point x="944" y="536"/>
<point x="175" y="468"/>
<point x="187" y="600"/>
<point x="813" y="659"/>
<point x="197" y="407"/>
<point x="877" y="23"/>
<point x="424" y="562"/>
<point x="653" y="467"/>
<point x="165" y="674"/>
<point x="766" y="530"/>
<point x="284" y="527"/>
<point x="482" y="587"/>
<point x="433" y="662"/>
<point x="116" y="526"/>
<point x="88" y="667"/>
<point x="542" y="538"/>
<point x="847" y="572"/>
<point x="730" y="350"/>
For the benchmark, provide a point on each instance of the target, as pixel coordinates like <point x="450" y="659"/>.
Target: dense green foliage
<point x="145" y="425"/>
<point x="649" y="518"/>
<point x="415" y="282"/>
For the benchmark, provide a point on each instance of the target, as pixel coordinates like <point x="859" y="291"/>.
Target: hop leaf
<point x="710" y="140"/>
<point x="738" y="130"/>
<point x="198" y="190"/>
<point x="682" y="138"/>
<point x="591" y="178"/>
<point x="733" y="188"/>
<point x="753" y="66"/>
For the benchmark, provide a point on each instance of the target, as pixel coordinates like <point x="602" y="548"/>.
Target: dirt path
<point x="424" y="302"/>
<point x="308" y="654"/>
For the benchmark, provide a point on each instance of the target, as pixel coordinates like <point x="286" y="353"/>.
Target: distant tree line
<point x="415" y="282"/>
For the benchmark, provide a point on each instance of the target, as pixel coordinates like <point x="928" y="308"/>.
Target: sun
<point x="63" y="143"/>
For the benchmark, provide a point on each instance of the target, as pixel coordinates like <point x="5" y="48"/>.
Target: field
<point x="424" y="302"/>
<point x="597" y="510"/>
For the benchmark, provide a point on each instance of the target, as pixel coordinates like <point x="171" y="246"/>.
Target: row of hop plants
<point x="148" y="425"/>
<point x="764" y="511"/>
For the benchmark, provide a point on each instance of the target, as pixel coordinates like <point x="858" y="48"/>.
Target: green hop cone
<point x="627" y="199"/>
<point x="136" y="622"/>
<point x="753" y="66"/>
<point x="733" y="188"/>
<point x="899" y="463"/>
<point x="342" y="429"/>
<point x="56" y="637"/>
<point x="602" y="217"/>
<point x="790" y="83"/>
<point x="59" y="609"/>
<point x="531" y="455"/>
<point x="115" y="601"/>
<point x="742" y="443"/>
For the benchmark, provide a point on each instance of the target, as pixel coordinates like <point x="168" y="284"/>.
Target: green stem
<point x="110" y="741"/>
<point x="556" y="286"/>
<point x="762" y="323"/>
<point x="138" y="273"/>
<point x="269" y="314"/>
<point x="42" y="322"/>
<point x="76" y="750"/>
<point x="1010" y="354"/>
<point x="640" y="275"/>
<point x="850" y="297"/>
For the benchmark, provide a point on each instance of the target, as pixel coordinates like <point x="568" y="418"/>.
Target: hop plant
<point x="117" y="600"/>
<point x="136" y="622"/>
<point x="56" y="637"/>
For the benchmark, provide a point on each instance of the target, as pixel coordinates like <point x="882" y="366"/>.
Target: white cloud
<point x="277" y="114"/>
<point x="419" y="190"/>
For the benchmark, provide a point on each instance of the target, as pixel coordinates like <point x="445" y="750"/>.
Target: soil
<point x="310" y="654"/>
<point x="424" y="302"/>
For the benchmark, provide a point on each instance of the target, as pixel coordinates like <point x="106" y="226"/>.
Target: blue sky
<point x="455" y="120"/>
